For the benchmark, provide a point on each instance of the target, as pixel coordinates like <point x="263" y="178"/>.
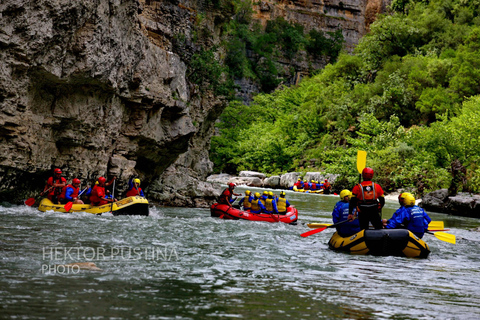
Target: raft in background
<point x="224" y="211"/>
<point x="384" y="242"/>
<point x="319" y="191"/>
<point x="131" y="206"/>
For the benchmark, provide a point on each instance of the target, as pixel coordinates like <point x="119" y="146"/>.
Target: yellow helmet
<point x="137" y="181"/>
<point x="270" y="193"/>
<point x="96" y="182"/>
<point x="248" y="192"/>
<point x="345" y="193"/>
<point x="265" y="192"/>
<point x="401" y="197"/>
<point x="299" y="179"/>
<point x="257" y="195"/>
<point x="409" y="200"/>
<point x="305" y="181"/>
<point x="282" y="194"/>
<point x="313" y="181"/>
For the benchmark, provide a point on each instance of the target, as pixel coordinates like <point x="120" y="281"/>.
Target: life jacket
<point x="367" y="195"/>
<point x="314" y="186"/>
<point x="64" y="192"/>
<point x="58" y="190"/>
<point x="225" y="196"/>
<point x="134" y="192"/>
<point x="269" y="205"/>
<point x="255" y="206"/>
<point x="326" y="185"/>
<point x="97" y="194"/>
<point x="282" y="205"/>
<point x="306" y="186"/>
<point x="246" y="203"/>
<point x="415" y="218"/>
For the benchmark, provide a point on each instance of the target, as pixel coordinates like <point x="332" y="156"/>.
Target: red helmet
<point x="326" y="180"/>
<point x="76" y="181"/>
<point x="367" y="174"/>
<point x="102" y="180"/>
<point x="57" y="170"/>
<point x="231" y="185"/>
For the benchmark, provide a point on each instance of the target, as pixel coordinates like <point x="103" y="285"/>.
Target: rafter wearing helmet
<point x="368" y="198"/>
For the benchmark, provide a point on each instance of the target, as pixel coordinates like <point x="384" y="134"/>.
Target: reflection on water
<point x="190" y="266"/>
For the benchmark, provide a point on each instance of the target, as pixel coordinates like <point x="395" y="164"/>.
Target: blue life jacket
<point x="339" y="214"/>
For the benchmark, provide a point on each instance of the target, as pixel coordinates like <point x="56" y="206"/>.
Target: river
<point x="179" y="263"/>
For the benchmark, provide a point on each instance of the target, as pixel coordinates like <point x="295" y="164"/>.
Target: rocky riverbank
<point x="463" y="204"/>
<point x="258" y="179"/>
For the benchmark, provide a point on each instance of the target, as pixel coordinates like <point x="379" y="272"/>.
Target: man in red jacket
<point x="54" y="185"/>
<point x="369" y="200"/>
<point x="98" y="196"/>
<point x="227" y="194"/>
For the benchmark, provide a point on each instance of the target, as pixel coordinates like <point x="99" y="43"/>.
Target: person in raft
<point x="227" y="195"/>
<point x="282" y="203"/>
<point x="134" y="188"/>
<point x="411" y="217"/>
<point x="299" y="184"/>
<point x="313" y="185"/>
<point x="401" y="200"/>
<point x="257" y="204"/>
<point x="98" y="195"/>
<point x="340" y="213"/>
<point x="54" y="186"/>
<point x="70" y="193"/>
<point x="369" y="200"/>
<point x="327" y="187"/>
<point x="246" y="201"/>
<point x="270" y="204"/>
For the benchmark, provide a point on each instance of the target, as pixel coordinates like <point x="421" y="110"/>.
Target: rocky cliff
<point x="100" y="87"/>
<point x="94" y="87"/>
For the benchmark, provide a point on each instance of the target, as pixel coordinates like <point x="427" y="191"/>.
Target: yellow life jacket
<point x="269" y="205"/>
<point x="246" y="203"/>
<point x="282" y="205"/>
<point x="255" y="206"/>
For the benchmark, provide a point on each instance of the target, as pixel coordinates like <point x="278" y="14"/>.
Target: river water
<point x="179" y="263"/>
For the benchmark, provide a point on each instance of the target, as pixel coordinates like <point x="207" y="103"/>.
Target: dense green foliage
<point x="408" y="96"/>
<point x="252" y="51"/>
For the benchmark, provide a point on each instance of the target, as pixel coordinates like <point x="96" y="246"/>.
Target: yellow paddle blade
<point x="361" y="160"/>
<point x="318" y="225"/>
<point x="447" y="237"/>
<point x="436" y="225"/>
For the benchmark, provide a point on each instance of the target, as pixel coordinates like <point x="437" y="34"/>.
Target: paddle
<point x="69" y="205"/>
<point x="361" y="163"/>
<point x="436" y="225"/>
<point x="31" y="201"/>
<point x="447" y="237"/>
<point x="113" y="196"/>
<point x="309" y="233"/>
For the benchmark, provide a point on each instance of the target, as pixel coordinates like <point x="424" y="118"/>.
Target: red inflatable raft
<point x="224" y="211"/>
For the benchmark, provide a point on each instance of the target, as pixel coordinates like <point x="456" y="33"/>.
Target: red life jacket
<point x="97" y="194"/>
<point x="55" y="191"/>
<point x="367" y="194"/>
<point x="306" y="186"/>
<point x="314" y="186"/>
<point x="64" y="192"/>
<point x="133" y="192"/>
<point x="225" y="196"/>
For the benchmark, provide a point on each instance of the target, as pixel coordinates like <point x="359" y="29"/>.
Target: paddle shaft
<point x="113" y="196"/>
<point x="309" y="233"/>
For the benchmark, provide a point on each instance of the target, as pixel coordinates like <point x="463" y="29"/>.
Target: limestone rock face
<point x="95" y="88"/>
<point x="288" y="179"/>
<point x="272" y="182"/>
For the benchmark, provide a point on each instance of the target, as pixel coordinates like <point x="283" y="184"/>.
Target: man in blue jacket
<point x="412" y="217"/>
<point x="340" y="213"/>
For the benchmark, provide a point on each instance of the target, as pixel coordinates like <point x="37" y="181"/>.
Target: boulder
<point x="219" y="178"/>
<point x="250" y="174"/>
<point x="272" y="182"/>
<point x="249" y="181"/>
<point x="435" y="200"/>
<point x="287" y="180"/>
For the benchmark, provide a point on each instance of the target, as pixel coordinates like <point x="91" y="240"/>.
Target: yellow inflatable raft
<point x="137" y="206"/>
<point x="383" y="242"/>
